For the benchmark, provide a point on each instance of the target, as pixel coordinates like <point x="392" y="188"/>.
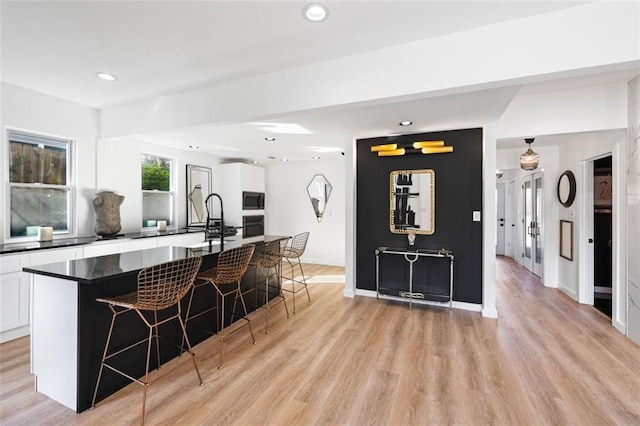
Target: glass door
<point x="533" y="224"/>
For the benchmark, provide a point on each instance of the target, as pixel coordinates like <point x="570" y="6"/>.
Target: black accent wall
<point x="458" y="192"/>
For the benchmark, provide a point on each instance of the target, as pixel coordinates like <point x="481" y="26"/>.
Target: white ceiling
<point x="161" y="47"/>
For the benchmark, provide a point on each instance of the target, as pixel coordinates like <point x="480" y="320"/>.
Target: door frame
<point x="585" y="254"/>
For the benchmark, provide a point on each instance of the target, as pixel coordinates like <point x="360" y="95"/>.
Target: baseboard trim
<point x="572" y="294"/>
<point x="489" y="313"/>
<point x="15" y="333"/>
<point x="621" y="327"/>
<point x="465" y="306"/>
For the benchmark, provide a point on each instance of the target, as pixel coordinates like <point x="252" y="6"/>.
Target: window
<point x="157" y="185"/>
<point x="39" y="184"/>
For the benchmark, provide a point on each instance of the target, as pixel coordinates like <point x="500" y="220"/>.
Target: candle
<point x="162" y="225"/>
<point x="45" y="233"/>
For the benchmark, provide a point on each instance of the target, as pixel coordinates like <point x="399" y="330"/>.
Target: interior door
<point x="510" y="220"/>
<point x="532" y="223"/>
<point x="500" y="219"/>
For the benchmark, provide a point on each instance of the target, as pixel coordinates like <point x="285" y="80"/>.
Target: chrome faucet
<point x="209" y="226"/>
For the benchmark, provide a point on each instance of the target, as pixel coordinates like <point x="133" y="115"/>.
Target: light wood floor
<point x="546" y="360"/>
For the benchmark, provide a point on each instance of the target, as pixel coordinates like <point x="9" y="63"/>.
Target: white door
<point x="500" y="219"/>
<point x="532" y="223"/>
<point x="510" y="220"/>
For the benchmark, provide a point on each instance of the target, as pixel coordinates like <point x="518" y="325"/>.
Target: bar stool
<point x="159" y="287"/>
<point x="292" y="253"/>
<point x="225" y="279"/>
<point x="268" y="262"/>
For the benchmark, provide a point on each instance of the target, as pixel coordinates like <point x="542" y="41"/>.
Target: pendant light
<point x="529" y="160"/>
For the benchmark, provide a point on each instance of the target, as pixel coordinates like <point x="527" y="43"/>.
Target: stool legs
<point x="152" y="335"/>
<point x="238" y="295"/>
<point x="293" y="290"/>
<point x="267" y="307"/>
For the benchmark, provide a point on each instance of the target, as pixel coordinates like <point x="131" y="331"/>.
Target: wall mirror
<point x="567" y="188"/>
<point x="319" y="190"/>
<point x="198" y="187"/>
<point x="412" y="202"/>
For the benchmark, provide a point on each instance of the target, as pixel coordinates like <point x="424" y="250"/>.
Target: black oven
<point x="252" y="226"/>
<point x="252" y="200"/>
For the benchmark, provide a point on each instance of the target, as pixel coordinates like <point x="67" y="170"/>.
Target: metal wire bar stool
<point x="292" y="254"/>
<point x="160" y="287"/>
<point x="225" y="279"/>
<point x="268" y="262"/>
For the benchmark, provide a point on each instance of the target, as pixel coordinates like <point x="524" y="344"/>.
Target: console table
<point x="405" y="288"/>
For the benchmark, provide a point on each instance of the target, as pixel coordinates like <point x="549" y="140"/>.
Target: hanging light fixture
<point x="529" y="160"/>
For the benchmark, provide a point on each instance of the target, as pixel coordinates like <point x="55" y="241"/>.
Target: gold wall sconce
<point x="423" y="147"/>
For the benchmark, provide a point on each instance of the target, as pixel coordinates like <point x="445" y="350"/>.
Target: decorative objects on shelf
<point x="107" y="207"/>
<point x="566" y="239"/>
<point x="412" y="202"/>
<point x="567" y="188"/>
<point x="423" y="147"/>
<point x="198" y="187"/>
<point x="529" y="160"/>
<point x="319" y="190"/>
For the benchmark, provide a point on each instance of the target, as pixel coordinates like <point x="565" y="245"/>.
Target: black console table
<point x="392" y="279"/>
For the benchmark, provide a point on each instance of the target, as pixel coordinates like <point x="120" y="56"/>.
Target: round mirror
<point x="567" y="188"/>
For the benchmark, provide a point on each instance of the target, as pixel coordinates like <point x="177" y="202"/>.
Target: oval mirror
<point x="567" y="188"/>
<point x="319" y="190"/>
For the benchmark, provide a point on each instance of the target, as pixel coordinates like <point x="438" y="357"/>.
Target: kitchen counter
<point x="69" y="242"/>
<point x="69" y="327"/>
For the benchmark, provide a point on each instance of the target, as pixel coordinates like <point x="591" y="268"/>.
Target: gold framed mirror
<point x="412" y="202"/>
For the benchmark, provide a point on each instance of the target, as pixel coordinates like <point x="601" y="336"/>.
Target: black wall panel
<point x="458" y="192"/>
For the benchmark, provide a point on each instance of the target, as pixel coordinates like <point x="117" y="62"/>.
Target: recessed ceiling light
<point x="194" y="147"/>
<point x="284" y="160"/>
<point x="315" y="12"/>
<point x="255" y="162"/>
<point x="316" y="158"/>
<point x="405" y="123"/>
<point x="269" y="139"/>
<point x="105" y="76"/>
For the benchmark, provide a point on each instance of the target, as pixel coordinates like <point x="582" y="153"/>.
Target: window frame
<point x="171" y="192"/>
<point x="14" y="134"/>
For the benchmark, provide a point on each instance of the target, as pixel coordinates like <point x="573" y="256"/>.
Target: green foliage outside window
<point x="156" y="173"/>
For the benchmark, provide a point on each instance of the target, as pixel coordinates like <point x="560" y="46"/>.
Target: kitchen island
<point x="69" y="328"/>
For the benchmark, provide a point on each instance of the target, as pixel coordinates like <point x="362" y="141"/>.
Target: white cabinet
<point x="103" y="248"/>
<point x="140" y="244"/>
<point x="236" y="178"/>
<point x="14" y="288"/>
<point x="42" y="257"/>
<point x="14" y="297"/>
<point x="181" y="240"/>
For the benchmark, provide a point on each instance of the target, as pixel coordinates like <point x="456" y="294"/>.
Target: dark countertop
<point x="97" y="269"/>
<point x="68" y="242"/>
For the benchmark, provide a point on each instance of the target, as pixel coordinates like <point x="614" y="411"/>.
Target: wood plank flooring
<point x="546" y="360"/>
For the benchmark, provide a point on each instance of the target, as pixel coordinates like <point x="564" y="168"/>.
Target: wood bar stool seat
<point x="292" y="254"/>
<point x="225" y="279"/>
<point x="160" y="287"/>
<point x="268" y="263"/>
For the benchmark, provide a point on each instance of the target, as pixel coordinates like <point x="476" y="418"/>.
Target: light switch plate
<point x="476" y="216"/>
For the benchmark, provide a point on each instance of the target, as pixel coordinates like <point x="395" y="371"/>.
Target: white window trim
<point x="172" y="189"/>
<point x="70" y="186"/>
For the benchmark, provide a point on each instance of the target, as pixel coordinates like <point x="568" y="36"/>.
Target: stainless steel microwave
<point x="252" y="200"/>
